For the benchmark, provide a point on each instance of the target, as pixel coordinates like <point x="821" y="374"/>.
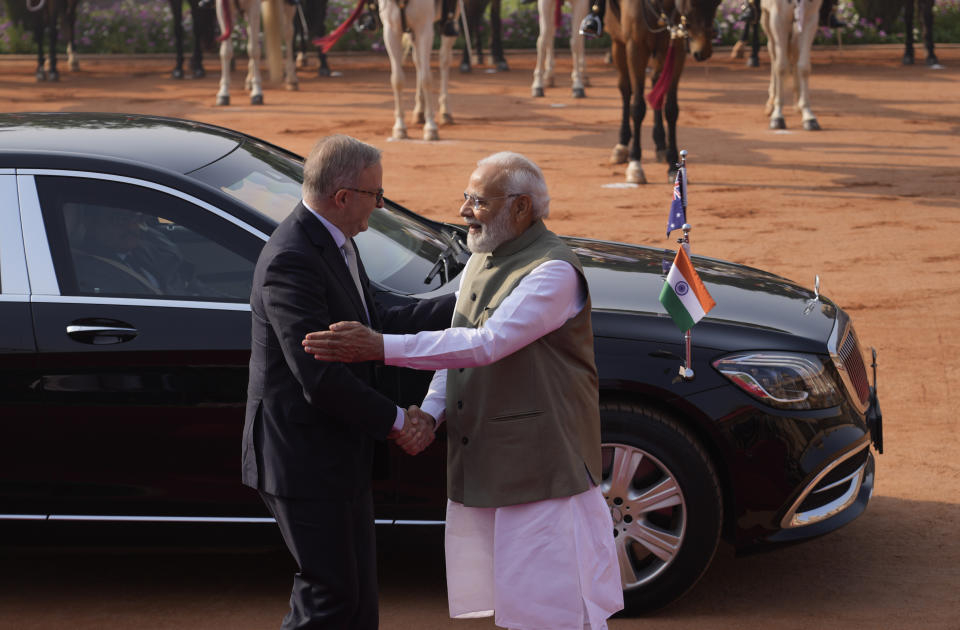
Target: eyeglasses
<point x="376" y="193"/>
<point x="481" y="202"/>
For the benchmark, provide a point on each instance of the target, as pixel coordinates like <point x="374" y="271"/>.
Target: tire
<point x="665" y="500"/>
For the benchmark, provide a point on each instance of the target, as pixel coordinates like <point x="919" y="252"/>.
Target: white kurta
<point x="544" y="565"/>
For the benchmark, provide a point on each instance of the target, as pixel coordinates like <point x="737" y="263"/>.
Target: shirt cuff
<point x="398" y="423"/>
<point x="392" y="348"/>
<point x="435" y="409"/>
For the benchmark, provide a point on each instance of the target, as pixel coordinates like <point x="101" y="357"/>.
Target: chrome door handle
<point x="99" y="335"/>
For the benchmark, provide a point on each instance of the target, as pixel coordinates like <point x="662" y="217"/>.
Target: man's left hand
<point x="348" y="342"/>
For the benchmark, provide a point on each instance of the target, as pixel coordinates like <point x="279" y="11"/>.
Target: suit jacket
<point x="310" y="425"/>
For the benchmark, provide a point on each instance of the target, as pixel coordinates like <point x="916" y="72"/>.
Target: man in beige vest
<point x="529" y="536"/>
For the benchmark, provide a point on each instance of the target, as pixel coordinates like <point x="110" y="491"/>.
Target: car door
<point x="140" y="371"/>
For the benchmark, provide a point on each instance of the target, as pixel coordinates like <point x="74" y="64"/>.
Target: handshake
<point x="417" y="432"/>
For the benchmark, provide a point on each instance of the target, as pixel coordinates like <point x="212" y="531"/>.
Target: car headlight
<point x="781" y="379"/>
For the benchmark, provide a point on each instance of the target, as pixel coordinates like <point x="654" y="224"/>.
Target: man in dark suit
<point x="310" y="427"/>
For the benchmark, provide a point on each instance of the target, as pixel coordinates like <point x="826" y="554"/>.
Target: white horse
<point x="543" y="73"/>
<point x="419" y="17"/>
<point x="790" y="26"/>
<point x="278" y="40"/>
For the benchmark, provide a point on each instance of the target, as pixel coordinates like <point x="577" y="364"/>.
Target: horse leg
<point x="53" y="74"/>
<point x="577" y="77"/>
<point x="226" y="51"/>
<point x="479" y="36"/>
<point x="926" y="14"/>
<point x="671" y="111"/>
<point x="38" y="31"/>
<point x="775" y="25"/>
<point x="801" y="73"/>
<point x="391" y="41"/>
<point x="288" y="15"/>
<point x="176" y="7"/>
<point x="496" y="37"/>
<point x="659" y="134"/>
<point x="196" y="60"/>
<point x="542" y="72"/>
<point x="620" y="152"/>
<point x="254" y="76"/>
<point x="908" y="31"/>
<point x="754" y="60"/>
<point x="445" y="55"/>
<point x="637" y="66"/>
<point x="423" y="47"/>
<point x="70" y="22"/>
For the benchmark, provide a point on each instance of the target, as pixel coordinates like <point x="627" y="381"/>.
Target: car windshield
<point x="399" y="252"/>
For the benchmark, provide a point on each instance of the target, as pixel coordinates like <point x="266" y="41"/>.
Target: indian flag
<point x="683" y="294"/>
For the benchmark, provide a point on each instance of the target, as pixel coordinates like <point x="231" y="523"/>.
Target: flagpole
<point x="686" y="371"/>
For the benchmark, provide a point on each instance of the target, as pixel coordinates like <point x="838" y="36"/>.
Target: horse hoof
<point x="502" y="66"/>
<point x="176" y="74"/>
<point x="223" y="100"/>
<point x="400" y="134"/>
<point x="662" y="156"/>
<point x="256" y="99"/>
<point x="199" y="73"/>
<point x="447" y="119"/>
<point x="41" y="76"/>
<point x="811" y="125"/>
<point x="537" y="92"/>
<point x="671" y="175"/>
<point x="430" y="135"/>
<point x="53" y="76"/>
<point x="579" y="93"/>
<point x="635" y="174"/>
<point x="619" y="155"/>
<point x="908" y="59"/>
<point x="465" y="68"/>
<point x="753" y="62"/>
<point x="323" y="71"/>
<point x="932" y="60"/>
<point x="292" y="87"/>
<point x="778" y="123"/>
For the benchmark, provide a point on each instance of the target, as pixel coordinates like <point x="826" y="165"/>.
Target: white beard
<point x="491" y="235"/>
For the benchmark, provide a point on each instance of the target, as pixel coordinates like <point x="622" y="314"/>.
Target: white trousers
<point x="548" y="565"/>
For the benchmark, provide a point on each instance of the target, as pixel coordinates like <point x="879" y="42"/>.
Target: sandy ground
<point x="870" y="203"/>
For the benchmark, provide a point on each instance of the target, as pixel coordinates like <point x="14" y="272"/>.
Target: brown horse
<point x="47" y="17"/>
<point x="658" y="32"/>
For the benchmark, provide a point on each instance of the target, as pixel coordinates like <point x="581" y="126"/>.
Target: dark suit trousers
<point x="334" y="544"/>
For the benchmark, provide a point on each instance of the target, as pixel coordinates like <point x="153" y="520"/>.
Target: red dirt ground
<point x="869" y="203"/>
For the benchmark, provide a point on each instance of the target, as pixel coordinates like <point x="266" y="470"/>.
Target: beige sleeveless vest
<point x="526" y="428"/>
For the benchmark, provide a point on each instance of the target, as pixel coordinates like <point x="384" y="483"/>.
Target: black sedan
<point x="122" y="391"/>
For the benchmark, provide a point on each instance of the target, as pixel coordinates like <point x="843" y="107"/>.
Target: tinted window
<point x="116" y="239"/>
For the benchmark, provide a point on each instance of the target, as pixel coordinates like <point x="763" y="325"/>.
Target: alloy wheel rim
<point x="648" y="510"/>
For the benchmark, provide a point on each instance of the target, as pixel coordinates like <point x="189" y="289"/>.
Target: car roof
<point x="172" y="144"/>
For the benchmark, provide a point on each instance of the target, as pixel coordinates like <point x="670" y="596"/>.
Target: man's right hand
<point x="417" y="432"/>
<point x="348" y="342"/>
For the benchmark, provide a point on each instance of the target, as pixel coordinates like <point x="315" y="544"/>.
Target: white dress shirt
<point x="542" y="302"/>
<point x="339" y="238"/>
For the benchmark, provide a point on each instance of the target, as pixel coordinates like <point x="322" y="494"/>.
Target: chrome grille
<point x="847" y="358"/>
<point x="852" y="361"/>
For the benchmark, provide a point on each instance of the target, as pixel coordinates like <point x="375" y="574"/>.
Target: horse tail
<point x="225" y="17"/>
<point x="271" y="13"/>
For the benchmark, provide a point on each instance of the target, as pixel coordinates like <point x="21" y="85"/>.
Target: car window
<point x="123" y="240"/>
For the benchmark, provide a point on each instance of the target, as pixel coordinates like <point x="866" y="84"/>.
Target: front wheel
<point x="665" y="500"/>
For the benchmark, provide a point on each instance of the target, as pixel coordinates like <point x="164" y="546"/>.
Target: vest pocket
<point x="513" y="417"/>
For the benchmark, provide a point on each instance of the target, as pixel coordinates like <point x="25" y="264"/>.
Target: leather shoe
<point x="367" y="22"/>
<point x="591" y="26"/>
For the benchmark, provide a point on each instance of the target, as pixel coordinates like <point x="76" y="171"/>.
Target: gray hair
<point x="335" y="162"/>
<point x="521" y="175"/>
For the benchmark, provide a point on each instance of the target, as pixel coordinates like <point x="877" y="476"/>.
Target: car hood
<point x="628" y="279"/>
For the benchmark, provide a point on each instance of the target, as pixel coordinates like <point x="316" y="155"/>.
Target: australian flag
<point x="678" y="207"/>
